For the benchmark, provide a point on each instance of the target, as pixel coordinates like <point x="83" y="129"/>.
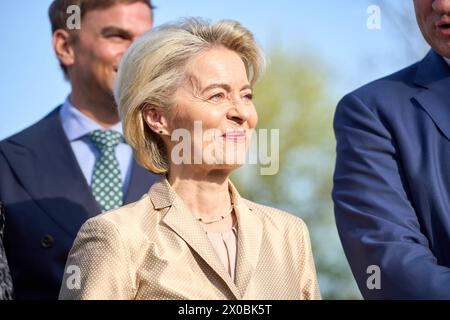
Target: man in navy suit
<point x="392" y="177"/>
<point x="48" y="171"/>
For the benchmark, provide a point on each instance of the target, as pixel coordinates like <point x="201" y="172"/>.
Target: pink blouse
<point x="225" y="244"/>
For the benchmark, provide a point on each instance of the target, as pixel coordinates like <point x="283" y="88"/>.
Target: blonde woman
<point x="192" y="236"/>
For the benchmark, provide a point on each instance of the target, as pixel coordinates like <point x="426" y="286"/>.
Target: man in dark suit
<point x="392" y="177"/>
<point x="74" y="163"/>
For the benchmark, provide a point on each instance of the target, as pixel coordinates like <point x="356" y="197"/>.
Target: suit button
<point x="47" y="241"/>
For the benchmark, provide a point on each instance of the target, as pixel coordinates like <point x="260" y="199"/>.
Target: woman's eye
<point x="217" y="97"/>
<point x="249" y="96"/>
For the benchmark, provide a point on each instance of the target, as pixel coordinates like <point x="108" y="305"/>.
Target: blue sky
<point x="335" y="31"/>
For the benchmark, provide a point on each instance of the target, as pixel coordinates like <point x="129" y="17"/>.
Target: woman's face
<point x="214" y="107"/>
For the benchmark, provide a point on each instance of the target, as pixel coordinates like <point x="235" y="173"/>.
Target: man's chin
<point x="440" y="44"/>
<point x="443" y="50"/>
<point x="109" y="92"/>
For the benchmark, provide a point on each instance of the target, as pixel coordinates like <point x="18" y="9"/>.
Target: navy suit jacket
<point x="392" y="182"/>
<point x="46" y="200"/>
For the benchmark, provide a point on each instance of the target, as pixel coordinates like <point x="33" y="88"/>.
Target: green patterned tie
<point x="106" y="182"/>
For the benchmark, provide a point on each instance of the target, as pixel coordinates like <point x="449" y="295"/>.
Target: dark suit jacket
<point x="392" y="181"/>
<point x="46" y="200"/>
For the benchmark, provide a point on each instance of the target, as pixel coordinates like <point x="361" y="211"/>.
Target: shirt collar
<point x="76" y="124"/>
<point x="447" y="60"/>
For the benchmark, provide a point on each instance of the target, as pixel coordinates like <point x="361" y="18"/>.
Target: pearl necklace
<point x="217" y="219"/>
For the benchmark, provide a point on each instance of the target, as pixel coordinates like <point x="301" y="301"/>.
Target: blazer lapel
<point x="181" y="220"/>
<point x="250" y="230"/>
<point x="45" y="164"/>
<point x="433" y="75"/>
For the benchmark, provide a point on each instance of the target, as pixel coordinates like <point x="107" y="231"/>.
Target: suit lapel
<point x="181" y="221"/>
<point x="184" y="224"/>
<point x="45" y="164"/>
<point x="250" y="230"/>
<point x="433" y="75"/>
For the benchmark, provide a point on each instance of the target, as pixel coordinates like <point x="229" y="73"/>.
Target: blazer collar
<point x="179" y="218"/>
<point x="433" y="74"/>
<point x="433" y="68"/>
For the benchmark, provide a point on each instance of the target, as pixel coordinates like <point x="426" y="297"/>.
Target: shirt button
<point x="47" y="241"/>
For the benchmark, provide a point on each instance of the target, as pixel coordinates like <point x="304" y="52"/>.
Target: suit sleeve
<point x="377" y="224"/>
<point x="98" y="266"/>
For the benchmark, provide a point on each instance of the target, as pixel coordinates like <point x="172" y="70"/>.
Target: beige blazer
<point x="156" y="249"/>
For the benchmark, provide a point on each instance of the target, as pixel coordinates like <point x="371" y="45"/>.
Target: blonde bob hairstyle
<point x="152" y="69"/>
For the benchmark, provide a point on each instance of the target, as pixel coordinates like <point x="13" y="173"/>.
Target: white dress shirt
<point x="448" y="61"/>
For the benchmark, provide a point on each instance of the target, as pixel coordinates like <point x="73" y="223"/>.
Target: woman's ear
<point x="155" y="119"/>
<point x="62" y="44"/>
